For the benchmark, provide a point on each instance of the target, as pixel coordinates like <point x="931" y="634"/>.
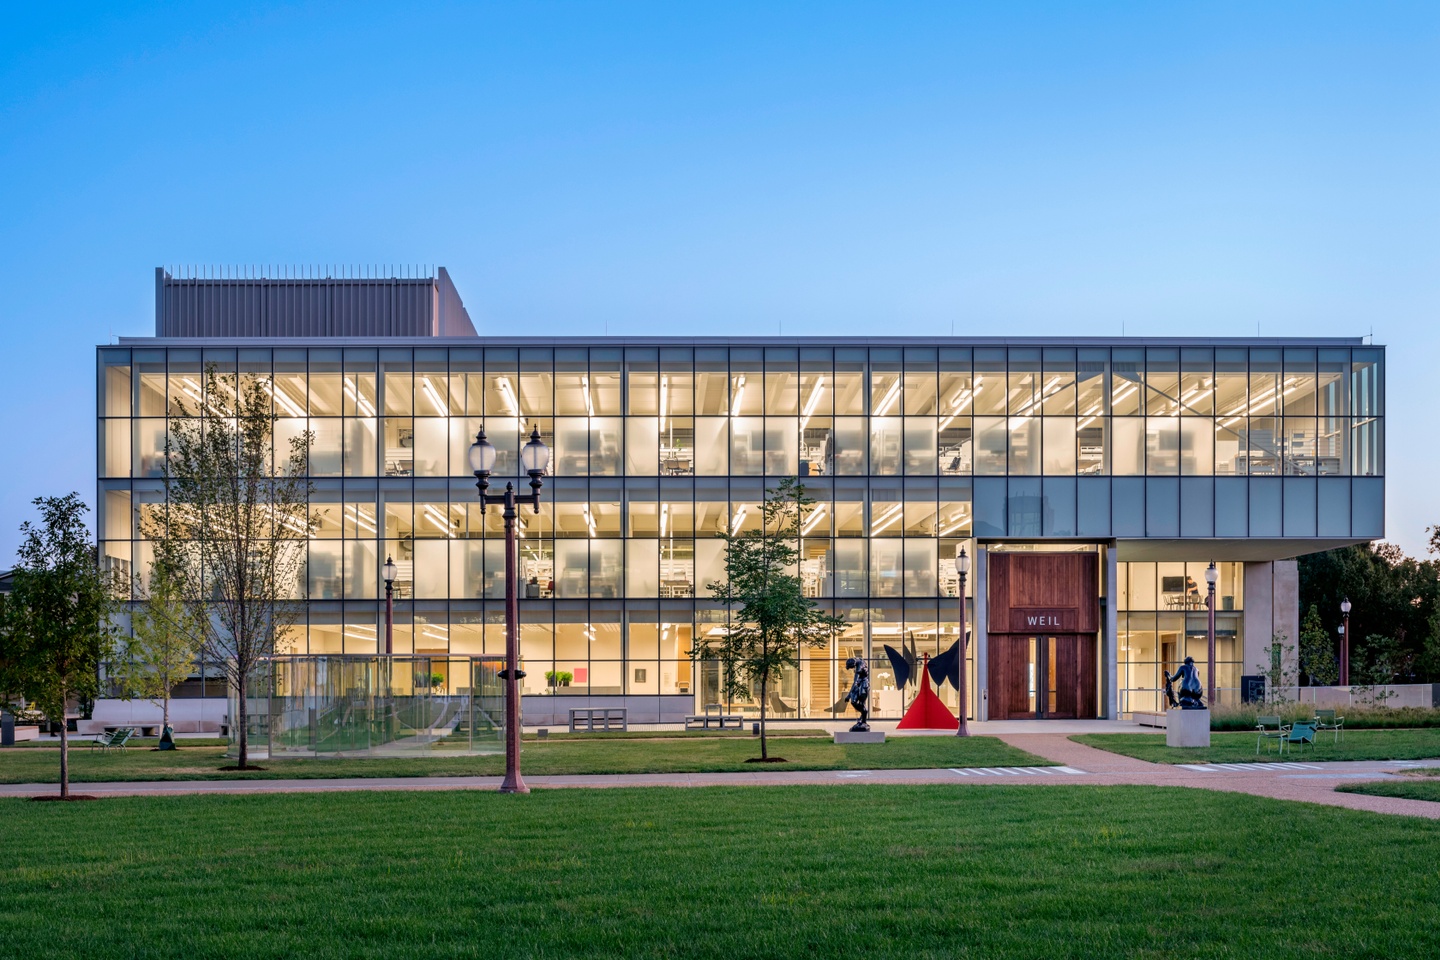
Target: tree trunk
<point x="764" y="749"/>
<point x="165" y="711"/>
<point x="64" y="754"/>
<point x="244" y="726"/>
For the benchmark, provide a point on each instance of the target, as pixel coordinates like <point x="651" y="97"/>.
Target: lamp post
<point x="534" y="457"/>
<point x="389" y="606"/>
<point x="962" y="568"/>
<point x="1211" y="576"/>
<point x="1345" y="643"/>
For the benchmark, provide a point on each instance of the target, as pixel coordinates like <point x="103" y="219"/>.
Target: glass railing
<point x="349" y="706"/>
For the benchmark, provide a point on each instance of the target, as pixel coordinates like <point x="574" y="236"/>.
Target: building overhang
<point x="1225" y="550"/>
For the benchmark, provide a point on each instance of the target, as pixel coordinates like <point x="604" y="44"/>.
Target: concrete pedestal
<point x="1187" y="728"/>
<point x="852" y="736"/>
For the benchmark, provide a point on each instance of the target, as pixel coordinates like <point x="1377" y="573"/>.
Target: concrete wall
<point x="191" y="715"/>
<point x="1392" y="695"/>
<point x="1272" y="606"/>
<point x="548" y="711"/>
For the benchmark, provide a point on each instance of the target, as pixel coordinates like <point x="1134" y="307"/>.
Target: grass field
<point x="1416" y="785"/>
<point x="833" y="872"/>
<point x="600" y="753"/>
<point x="1240" y="747"/>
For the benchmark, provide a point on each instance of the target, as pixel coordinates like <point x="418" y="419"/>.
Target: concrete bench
<point x="721" y="721"/>
<point x="590" y="719"/>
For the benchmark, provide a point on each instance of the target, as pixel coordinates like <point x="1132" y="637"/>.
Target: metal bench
<point x="590" y="719"/>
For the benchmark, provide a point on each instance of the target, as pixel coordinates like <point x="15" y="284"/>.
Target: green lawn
<point x="599" y="754"/>
<point x="831" y="872"/>
<point x="1418" y="785"/>
<point x="1240" y="747"/>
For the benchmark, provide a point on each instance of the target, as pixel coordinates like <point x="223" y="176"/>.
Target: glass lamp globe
<point x="482" y="455"/>
<point x="535" y="456"/>
<point x="1211" y="574"/>
<point x="389" y="570"/>
<point x="962" y="563"/>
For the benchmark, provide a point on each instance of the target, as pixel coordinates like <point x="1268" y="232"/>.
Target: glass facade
<point x="911" y="451"/>
<point x="1162" y="618"/>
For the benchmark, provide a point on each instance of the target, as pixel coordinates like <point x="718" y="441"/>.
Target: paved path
<point x="1294" y="780"/>
<point x="1078" y="764"/>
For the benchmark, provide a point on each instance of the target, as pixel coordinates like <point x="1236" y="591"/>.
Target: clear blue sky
<point x="1161" y="168"/>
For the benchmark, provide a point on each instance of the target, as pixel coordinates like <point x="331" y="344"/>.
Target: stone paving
<point x="1076" y="764"/>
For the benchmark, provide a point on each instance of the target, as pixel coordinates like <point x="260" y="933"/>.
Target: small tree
<point x="56" y="628"/>
<point x="1317" y="653"/>
<point x="168" y="633"/>
<point x="1279" y="669"/>
<point x="770" y="616"/>
<point x="1382" y="661"/>
<point x="234" y="526"/>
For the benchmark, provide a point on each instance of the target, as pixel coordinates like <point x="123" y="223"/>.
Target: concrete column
<point x="1259" y="617"/>
<point x="1109" y="643"/>
<point x="1272" y="610"/>
<point x="980" y="696"/>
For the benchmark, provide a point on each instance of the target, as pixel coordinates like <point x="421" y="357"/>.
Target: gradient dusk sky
<point x="739" y="168"/>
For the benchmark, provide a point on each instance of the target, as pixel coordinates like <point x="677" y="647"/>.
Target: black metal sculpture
<point x="946" y="666"/>
<point x="859" y="695"/>
<point x="902" y="662"/>
<point x="1190" y="690"/>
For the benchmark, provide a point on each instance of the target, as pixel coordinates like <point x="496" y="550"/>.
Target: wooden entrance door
<point x="1044" y="677"/>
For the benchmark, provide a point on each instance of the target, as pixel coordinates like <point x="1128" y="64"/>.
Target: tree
<point x="56" y="627"/>
<point x="1381" y="661"/>
<point x="1393" y="596"/>
<point x="1317" y="653"/>
<point x="168" y="633"/>
<point x="1278" y="668"/>
<point x="234" y="526"/>
<point x="770" y="616"/>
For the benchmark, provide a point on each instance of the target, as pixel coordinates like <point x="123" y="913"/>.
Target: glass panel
<point x="1197" y="447"/>
<point x="1197" y="382"/>
<point x="642" y="446"/>
<point x="1060" y="446"/>
<point x="1025" y="450"/>
<point x="1162" y="446"/>
<point x="992" y="437"/>
<point x="990" y="393"/>
<point x="747" y="445"/>
<point x="886" y="443"/>
<point x="1162" y="382"/>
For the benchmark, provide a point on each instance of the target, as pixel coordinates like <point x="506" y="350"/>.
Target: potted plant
<point x="559" y="678"/>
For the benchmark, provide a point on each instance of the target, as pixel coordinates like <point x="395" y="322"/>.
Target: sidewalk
<point x="1078" y="765"/>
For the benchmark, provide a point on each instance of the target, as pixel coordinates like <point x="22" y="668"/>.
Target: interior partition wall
<point x="909" y="451"/>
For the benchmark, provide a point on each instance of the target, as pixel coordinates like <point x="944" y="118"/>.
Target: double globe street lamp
<point x="534" y="458"/>
<point x="1211" y="577"/>
<point x="389" y="606"/>
<point x="1345" y="642"/>
<point x="962" y="569"/>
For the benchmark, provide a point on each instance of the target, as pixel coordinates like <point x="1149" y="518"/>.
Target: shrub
<point x="1357" y="717"/>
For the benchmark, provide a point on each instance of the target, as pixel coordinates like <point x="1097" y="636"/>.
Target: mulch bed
<point x="246" y="769"/>
<point x="767" y="760"/>
<point x="55" y="796"/>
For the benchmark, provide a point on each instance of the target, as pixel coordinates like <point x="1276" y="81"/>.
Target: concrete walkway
<point x="1078" y="765"/>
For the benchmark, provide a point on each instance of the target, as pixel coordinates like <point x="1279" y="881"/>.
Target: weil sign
<point x="1043" y="593"/>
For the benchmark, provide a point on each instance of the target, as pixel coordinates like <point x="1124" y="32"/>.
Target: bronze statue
<point x="859" y="695"/>
<point x="1190" y="691"/>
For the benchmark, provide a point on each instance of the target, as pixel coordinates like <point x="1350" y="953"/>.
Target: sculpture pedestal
<point x="856" y="736"/>
<point x="1187" y="728"/>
